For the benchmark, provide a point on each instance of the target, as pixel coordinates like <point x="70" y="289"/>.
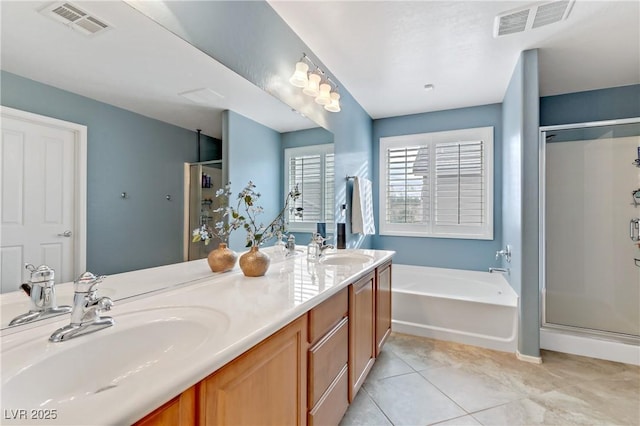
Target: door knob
<point x="65" y="234"/>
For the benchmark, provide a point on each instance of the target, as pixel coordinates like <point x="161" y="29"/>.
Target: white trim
<point x="80" y="178"/>
<point x="185" y="213"/>
<point x="528" y="358"/>
<point x="560" y="341"/>
<point x="430" y="230"/>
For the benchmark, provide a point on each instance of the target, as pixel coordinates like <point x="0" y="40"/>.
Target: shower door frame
<point x="580" y="331"/>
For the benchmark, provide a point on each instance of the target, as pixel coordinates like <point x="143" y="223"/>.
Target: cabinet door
<point x="383" y="305"/>
<point x="180" y="411"/>
<point x="361" y="332"/>
<point x="265" y="386"/>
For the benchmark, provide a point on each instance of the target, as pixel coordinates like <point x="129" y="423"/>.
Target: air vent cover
<point x="534" y="16"/>
<point x="76" y="18"/>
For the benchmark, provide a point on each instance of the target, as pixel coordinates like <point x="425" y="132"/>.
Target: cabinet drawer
<point x="333" y="404"/>
<point x="326" y="360"/>
<point x="325" y="316"/>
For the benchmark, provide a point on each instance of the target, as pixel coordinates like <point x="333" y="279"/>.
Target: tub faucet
<point x="87" y="308"/>
<point x="42" y="291"/>
<point x="505" y="270"/>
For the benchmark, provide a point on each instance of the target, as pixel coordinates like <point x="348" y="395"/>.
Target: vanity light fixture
<point x="316" y="84"/>
<point x="313" y="86"/>
<point x="299" y="77"/>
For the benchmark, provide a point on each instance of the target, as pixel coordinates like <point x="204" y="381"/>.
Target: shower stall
<point x="203" y="180"/>
<point x="590" y="241"/>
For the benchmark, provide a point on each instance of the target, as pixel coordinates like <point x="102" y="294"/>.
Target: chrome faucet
<point x="506" y="253"/>
<point x="321" y="243"/>
<point x="87" y="308"/>
<point x="291" y="245"/>
<point x="505" y="270"/>
<point x="42" y="291"/>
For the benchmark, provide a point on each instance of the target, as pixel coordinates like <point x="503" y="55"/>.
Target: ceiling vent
<point x="203" y="96"/>
<point x="534" y="16"/>
<point x="76" y="18"/>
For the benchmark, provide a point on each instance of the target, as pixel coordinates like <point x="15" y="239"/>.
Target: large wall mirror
<point x="140" y="92"/>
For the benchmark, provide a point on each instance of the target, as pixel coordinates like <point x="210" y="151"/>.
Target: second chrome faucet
<point x="86" y="311"/>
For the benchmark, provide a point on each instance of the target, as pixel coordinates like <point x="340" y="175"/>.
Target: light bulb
<point x="313" y="87"/>
<point x="324" y="98"/>
<point x="334" y="105"/>
<point x="299" y="77"/>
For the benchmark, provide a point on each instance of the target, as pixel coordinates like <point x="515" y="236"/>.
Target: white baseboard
<point x="528" y="358"/>
<point x="558" y="341"/>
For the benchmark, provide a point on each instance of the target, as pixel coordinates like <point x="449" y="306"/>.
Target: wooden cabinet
<point x="333" y="404"/>
<point x="265" y="386"/>
<point x="180" y="411"/>
<point x="328" y="357"/>
<point x="326" y="315"/>
<point x="383" y="305"/>
<point x="307" y="372"/>
<point x="361" y="331"/>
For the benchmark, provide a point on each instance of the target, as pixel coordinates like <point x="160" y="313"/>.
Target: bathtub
<point x="470" y="307"/>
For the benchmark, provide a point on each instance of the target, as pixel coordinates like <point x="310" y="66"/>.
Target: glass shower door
<point x="591" y="279"/>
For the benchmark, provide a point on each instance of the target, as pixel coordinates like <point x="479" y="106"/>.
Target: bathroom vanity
<point x="292" y="347"/>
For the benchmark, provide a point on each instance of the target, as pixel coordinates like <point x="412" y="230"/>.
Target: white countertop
<point x="238" y="312"/>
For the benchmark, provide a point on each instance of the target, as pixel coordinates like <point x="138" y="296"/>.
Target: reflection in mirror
<point x="204" y="180"/>
<point x="139" y="92"/>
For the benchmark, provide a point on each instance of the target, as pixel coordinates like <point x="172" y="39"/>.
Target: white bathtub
<point x="471" y="307"/>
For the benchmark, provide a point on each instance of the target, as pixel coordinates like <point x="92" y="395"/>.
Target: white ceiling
<point x="137" y="65"/>
<point x="384" y="52"/>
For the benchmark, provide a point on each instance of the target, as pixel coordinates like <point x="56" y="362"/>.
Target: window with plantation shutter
<point x="312" y="169"/>
<point x="438" y="184"/>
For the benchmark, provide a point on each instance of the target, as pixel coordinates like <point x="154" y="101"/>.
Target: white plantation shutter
<point x="312" y="169"/>
<point x="459" y="175"/>
<point x="306" y="172"/>
<point x="407" y="195"/>
<point x="329" y="185"/>
<point x="438" y="184"/>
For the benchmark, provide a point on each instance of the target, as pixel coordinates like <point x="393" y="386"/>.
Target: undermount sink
<point x="345" y="259"/>
<point x="139" y="344"/>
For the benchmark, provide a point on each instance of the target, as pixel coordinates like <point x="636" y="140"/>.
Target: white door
<point x="38" y="200"/>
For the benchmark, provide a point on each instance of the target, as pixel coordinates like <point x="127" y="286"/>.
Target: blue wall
<point x="253" y="153"/>
<point x="251" y="39"/>
<point x="443" y="252"/>
<point x="594" y="105"/>
<point x="127" y="152"/>
<point x="520" y="205"/>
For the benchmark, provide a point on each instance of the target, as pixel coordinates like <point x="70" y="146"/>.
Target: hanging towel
<point x="362" y="207"/>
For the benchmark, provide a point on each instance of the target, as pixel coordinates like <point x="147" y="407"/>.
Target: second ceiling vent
<point x="76" y="18"/>
<point x="533" y="16"/>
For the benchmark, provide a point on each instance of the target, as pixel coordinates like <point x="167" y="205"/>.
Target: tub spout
<point x="505" y="270"/>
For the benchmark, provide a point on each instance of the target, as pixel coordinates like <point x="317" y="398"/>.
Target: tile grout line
<point x="377" y="406"/>
<point x="432" y="384"/>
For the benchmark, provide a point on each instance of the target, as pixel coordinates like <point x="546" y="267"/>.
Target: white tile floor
<point x="419" y="381"/>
